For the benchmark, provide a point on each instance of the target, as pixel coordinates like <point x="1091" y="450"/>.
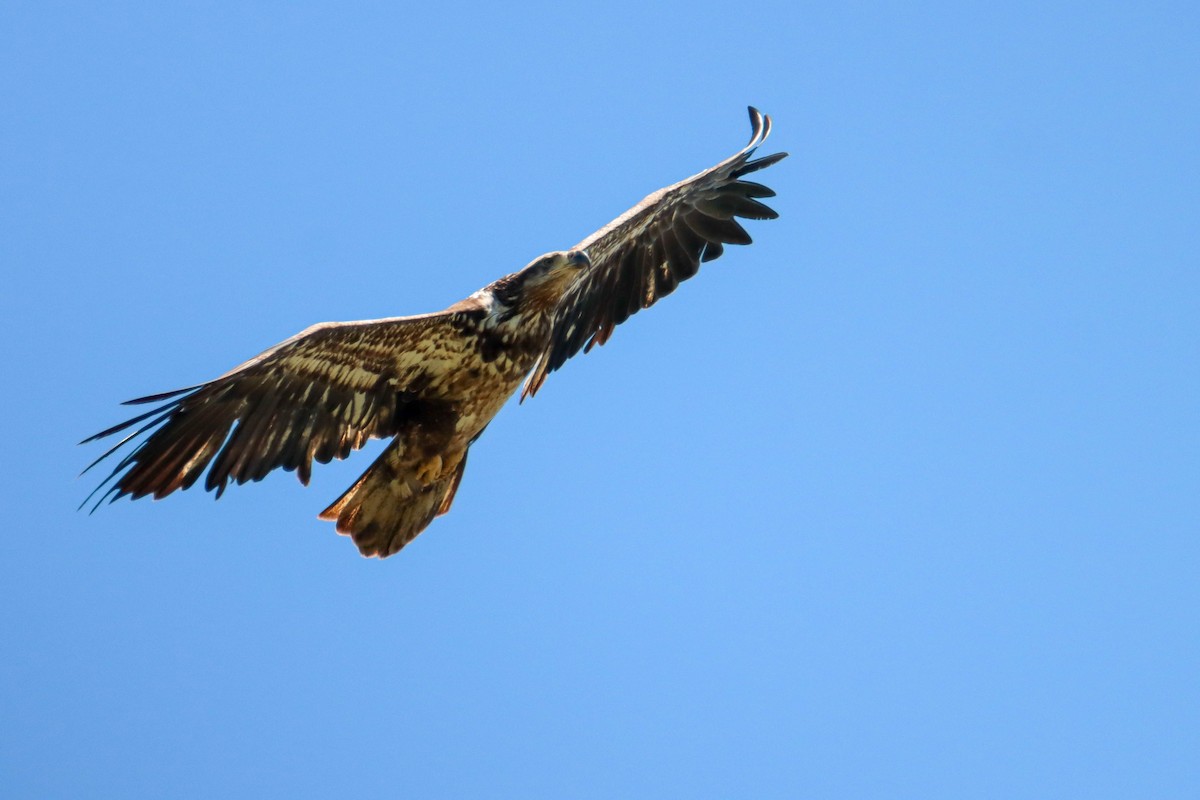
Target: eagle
<point x="431" y="382"/>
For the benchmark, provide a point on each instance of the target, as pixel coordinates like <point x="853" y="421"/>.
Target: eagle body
<point x="432" y="382"/>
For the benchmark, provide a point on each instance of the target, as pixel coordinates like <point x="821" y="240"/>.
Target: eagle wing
<point x="643" y="254"/>
<point x="318" y="395"/>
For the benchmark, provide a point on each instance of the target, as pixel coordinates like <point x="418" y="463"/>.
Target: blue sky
<point x="900" y="501"/>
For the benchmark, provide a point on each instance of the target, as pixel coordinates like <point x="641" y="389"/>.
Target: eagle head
<point x="545" y="279"/>
<point x="559" y="266"/>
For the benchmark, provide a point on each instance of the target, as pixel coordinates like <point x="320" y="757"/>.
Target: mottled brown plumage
<point x="431" y="382"/>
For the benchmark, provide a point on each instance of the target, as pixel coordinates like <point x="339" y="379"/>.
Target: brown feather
<point x="646" y="252"/>
<point x="310" y="397"/>
<point x="726" y="231"/>
<point x="388" y="506"/>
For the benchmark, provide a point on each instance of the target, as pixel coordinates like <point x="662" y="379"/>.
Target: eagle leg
<point x="437" y="467"/>
<point x="430" y="470"/>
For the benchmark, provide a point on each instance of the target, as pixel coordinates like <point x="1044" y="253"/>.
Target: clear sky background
<point x="903" y="500"/>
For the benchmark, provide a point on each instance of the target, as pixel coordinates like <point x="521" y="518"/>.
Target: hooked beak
<point x="579" y="258"/>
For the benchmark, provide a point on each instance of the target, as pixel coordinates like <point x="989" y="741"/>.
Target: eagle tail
<point x="390" y="503"/>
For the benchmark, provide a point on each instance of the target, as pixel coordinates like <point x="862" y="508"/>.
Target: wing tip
<point x="154" y="398"/>
<point x="760" y="127"/>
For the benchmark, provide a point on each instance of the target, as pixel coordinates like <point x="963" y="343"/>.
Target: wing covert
<point x="316" y="396"/>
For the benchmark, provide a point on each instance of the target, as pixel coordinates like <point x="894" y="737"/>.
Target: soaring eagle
<point x="431" y="382"/>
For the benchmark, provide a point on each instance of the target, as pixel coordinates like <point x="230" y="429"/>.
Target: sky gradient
<point x="902" y="500"/>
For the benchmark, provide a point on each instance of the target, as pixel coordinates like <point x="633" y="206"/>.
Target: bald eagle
<point x="430" y="382"/>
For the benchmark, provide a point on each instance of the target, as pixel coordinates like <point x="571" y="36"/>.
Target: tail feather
<point x="388" y="505"/>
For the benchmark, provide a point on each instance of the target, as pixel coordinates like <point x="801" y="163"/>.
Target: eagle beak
<point x="578" y="258"/>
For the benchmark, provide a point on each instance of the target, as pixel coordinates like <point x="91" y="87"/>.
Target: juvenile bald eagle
<point x="431" y="382"/>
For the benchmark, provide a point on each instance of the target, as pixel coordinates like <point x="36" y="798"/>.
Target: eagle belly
<point x="462" y="381"/>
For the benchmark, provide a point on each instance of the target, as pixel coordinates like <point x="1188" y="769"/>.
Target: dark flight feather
<point x="628" y="254"/>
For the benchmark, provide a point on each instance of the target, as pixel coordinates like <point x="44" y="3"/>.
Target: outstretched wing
<point x="643" y="254"/>
<point x="318" y="395"/>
